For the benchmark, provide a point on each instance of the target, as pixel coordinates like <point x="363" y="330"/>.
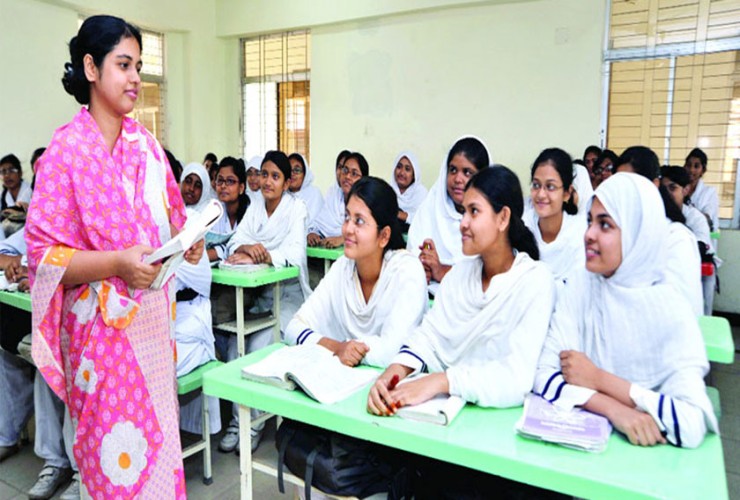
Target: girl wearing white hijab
<point x="554" y="220"/>
<point x="435" y="232"/>
<point x="326" y="229"/>
<point x="253" y="179"/>
<point x="272" y="232"/>
<point x="406" y="182"/>
<point x="301" y="185"/>
<point x="621" y="344"/>
<point x="354" y="312"/>
<point x="193" y="330"/>
<point x="482" y="338"/>
<point x="683" y="262"/>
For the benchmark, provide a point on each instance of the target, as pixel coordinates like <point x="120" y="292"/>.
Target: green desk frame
<point x="329" y="255"/>
<point x="484" y="439"/>
<point x="240" y="281"/>
<point x="718" y="339"/>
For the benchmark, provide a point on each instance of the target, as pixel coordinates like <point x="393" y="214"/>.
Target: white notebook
<point x="441" y="409"/>
<point x="314" y="369"/>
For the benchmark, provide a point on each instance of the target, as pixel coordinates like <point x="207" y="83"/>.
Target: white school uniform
<point x="705" y="199"/>
<point x="255" y="197"/>
<point x="310" y="194"/>
<point x="582" y="186"/>
<point x="632" y="325"/>
<point x="438" y="219"/>
<point x="683" y="265"/>
<point x="567" y="252"/>
<point x="328" y="223"/>
<point x="486" y="342"/>
<point x="223" y="227"/>
<point x="24" y="195"/>
<point x="207" y="194"/>
<point x="337" y="308"/>
<point x="410" y="200"/>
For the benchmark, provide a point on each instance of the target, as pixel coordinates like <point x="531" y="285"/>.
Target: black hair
<point x="380" y="198"/>
<point x="175" y="164"/>
<point x="34" y="158"/>
<point x="12" y="159"/>
<point x="578" y="161"/>
<point x="210" y="156"/>
<point x="501" y="188"/>
<point x="591" y="149"/>
<point x="699" y="155"/>
<point x="97" y="37"/>
<point x="607" y="154"/>
<point x="280" y="160"/>
<point x="644" y="161"/>
<point x="679" y="175"/>
<point x="563" y="163"/>
<point x="237" y="166"/>
<point x="341" y="156"/>
<point x="472" y="149"/>
<point x="361" y="161"/>
<point x="299" y="159"/>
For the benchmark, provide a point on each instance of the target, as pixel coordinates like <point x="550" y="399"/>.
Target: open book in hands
<point x="574" y="428"/>
<point x="314" y="369"/>
<point x="441" y="409"/>
<point x="172" y="253"/>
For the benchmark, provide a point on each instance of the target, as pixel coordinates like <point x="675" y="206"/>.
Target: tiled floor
<point x="18" y="473"/>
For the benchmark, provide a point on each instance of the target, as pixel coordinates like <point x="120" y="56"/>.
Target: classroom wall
<point x="201" y="72"/>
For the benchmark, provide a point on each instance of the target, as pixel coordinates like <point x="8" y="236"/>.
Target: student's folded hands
<point x="638" y="426"/>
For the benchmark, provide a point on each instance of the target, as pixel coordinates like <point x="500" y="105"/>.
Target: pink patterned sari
<point x="105" y="350"/>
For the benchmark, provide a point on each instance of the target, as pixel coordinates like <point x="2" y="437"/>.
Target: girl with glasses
<point x="16" y="191"/>
<point x="231" y="184"/>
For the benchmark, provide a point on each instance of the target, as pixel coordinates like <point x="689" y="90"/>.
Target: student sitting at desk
<point x="326" y="230"/>
<point x="554" y="219"/>
<point x="435" y="232"/>
<point x="193" y="330"/>
<point x="482" y="338"/>
<point x="406" y="182"/>
<point x="621" y="343"/>
<point x="231" y="179"/>
<point x="354" y="312"/>
<point x="301" y="185"/>
<point x="253" y="178"/>
<point x="273" y="232"/>
<point x="683" y="264"/>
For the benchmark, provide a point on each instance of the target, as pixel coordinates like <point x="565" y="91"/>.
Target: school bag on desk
<point x="337" y="464"/>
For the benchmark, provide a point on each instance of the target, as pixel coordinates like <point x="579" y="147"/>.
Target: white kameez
<point x="566" y="253"/>
<point x="310" y="194"/>
<point x="487" y="342"/>
<point x="337" y="308"/>
<point x="328" y="223"/>
<point x="223" y="227"/>
<point x="582" y="186"/>
<point x="705" y="199"/>
<point x="410" y="200"/>
<point x="24" y="195"/>
<point x="631" y="325"/>
<point x="683" y="265"/>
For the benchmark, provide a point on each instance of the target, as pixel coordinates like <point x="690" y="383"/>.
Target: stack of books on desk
<point x="576" y="428"/>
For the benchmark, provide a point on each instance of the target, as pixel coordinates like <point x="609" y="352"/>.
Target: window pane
<point x="148" y="109"/>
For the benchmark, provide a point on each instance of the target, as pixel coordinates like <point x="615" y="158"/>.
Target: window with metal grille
<point x="673" y="73"/>
<point x="276" y="93"/>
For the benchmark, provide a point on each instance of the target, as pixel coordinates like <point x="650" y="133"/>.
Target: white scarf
<point x="331" y="218"/>
<point x="630" y="324"/>
<point x="438" y="220"/>
<point x="488" y="342"/>
<point x="582" y="186"/>
<point x="683" y="265"/>
<point x="705" y="199"/>
<point x="310" y="194"/>
<point x="283" y="234"/>
<point x="337" y="308"/>
<point x="206" y="196"/>
<point x="410" y="200"/>
<point x="566" y="253"/>
<point x="255" y="197"/>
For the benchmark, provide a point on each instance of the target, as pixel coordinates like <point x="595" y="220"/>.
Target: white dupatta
<point x="410" y="200"/>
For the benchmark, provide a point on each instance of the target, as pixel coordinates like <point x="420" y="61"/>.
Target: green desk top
<point x="714" y="235"/>
<point x="484" y="439"/>
<point x="718" y="339"/>
<point x="21" y="300"/>
<point x="255" y="279"/>
<point x="325" y="253"/>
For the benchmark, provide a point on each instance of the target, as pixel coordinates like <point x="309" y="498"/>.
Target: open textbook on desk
<point x="441" y="409"/>
<point x="172" y="253"/>
<point x="314" y="369"/>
